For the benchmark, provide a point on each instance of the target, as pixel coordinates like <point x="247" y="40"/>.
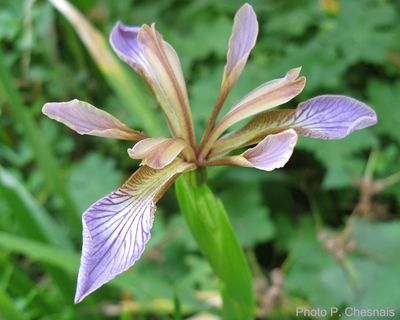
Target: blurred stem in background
<point x="125" y="86"/>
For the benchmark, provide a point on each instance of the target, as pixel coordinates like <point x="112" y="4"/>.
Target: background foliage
<point x="322" y="232"/>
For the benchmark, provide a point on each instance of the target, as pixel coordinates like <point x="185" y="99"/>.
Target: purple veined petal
<point x="84" y="118"/>
<point x="322" y="117"/>
<point x="331" y="117"/>
<point x="117" y="227"/>
<point x="148" y="54"/>
<point x="124" y="41"/>
<point x="241" y="42"/>
<point x="157" y="152"/>
<point x="273" y="152"/>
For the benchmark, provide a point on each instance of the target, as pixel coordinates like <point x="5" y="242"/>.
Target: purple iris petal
<point x="243" y="39"/>
<point x="273" y="152"/>
<point x="117" y="227"/>
<point x="332" y="117"/>
<point x="124" y="40"/>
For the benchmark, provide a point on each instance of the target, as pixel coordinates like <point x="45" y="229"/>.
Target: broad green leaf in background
<point x="385" y="98"/>
<point x="92" y="178"/>
<point x="338" y="156"/>
<point x="249" y="215"/>
<point x="209" y="224"/>
<point x="375" y="260"/>
<point x="8" y="309"/>
<point x="33" y="219"/>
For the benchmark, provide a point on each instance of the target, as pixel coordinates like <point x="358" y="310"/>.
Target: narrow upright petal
<point x="322" y="117"/>
<point x="241" y="42"/>
<point x="147" y="53"/>
<point x="271" y="153"/>
<point x="117" y="227"/>
<point x="87" y="119"/>
<point x="157" y="152"/>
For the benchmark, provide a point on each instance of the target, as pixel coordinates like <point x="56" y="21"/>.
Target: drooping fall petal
<point x="117" y="227"/>
<point x="265" y="97"/>
<point x="241" y="42"/>
<point x="331" y="117"/>
<point x="147" y="53"/>
<point x="271" y="153"/>
<point x="157" y="152"/>
<point x="87" y="119"/>
<point x="322" y="117"/>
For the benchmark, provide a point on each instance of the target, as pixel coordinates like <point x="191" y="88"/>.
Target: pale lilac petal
<point x="322" y="117"/>
<point x="241" y="42"/>
<point x="124" y="41"/>
<point x="87" y="119"/>
<point x="145" y="50"/>
<point x="272" y="152"/>
<point x="331" y="117"/>
<point x="117" y="227"/>
<point x="157" y="152"/>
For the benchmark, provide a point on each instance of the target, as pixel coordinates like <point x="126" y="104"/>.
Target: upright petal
<point x="265" y="97"/>
<point x="322" y="117"/>
<point x="146" y="52"/>
<point x="87" y="119"/>
<point x="241" y="42"/>
<point x="157" y="152"/>
<point x="117" y="227"/>
<point x="271" y="153"/>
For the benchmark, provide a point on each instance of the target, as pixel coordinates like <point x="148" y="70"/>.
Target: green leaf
<point x="209" y="224"/>
<point x="8" y="310"/>
<point x="98" y="175"/>
<point x="43" y="153"/>
<point x="250" y="217"/>
<point x="33" y="220"/>
<point x="384" y="97"/>
<point x="68" y="261"/>
<point x="338" y="155"/>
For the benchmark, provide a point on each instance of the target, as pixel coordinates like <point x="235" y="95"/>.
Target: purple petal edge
<point x="332" y="117"/>
<point x="117" y="227"/>
<point x="124" y="41"/>
<point x="273" y="152"/>
<point x="110" y="239"/>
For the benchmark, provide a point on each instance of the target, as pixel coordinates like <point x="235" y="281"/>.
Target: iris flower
<point x="117" y="227"/>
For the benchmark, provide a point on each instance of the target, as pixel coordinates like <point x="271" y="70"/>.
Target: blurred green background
<point x="322" y="232"/>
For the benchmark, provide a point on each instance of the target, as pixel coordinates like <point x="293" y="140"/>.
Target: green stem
<point x="208" y="221"/>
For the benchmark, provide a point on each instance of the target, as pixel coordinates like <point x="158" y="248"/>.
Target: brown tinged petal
<point x="269" y="95"/>
<point x="87" y="119"/>
<point x="242" y="40"/>
<point x="157" y="152"/>
<point x="147" y="53"/>
<point x="271" y="153"/>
